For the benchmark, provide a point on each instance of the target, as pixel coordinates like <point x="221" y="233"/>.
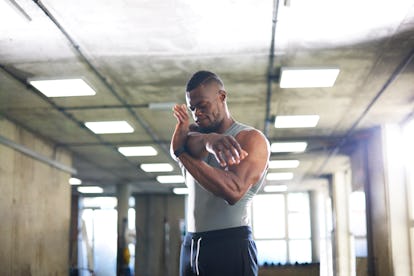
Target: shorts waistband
<point x="242" y="232"/>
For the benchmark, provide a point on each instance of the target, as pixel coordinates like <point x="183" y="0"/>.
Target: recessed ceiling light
<point x="291" y="77"/>
<point x="138" y="151"/>
<point x="288" y="146"/>
<point x="275" y="188"/>
<point x="75" y="181"/>
<point x="161" y="106"/>
<point x="109" y="127"/>
<point x="165" y="179"/>
<point x="180" y="191"/>
<point x="296" y="121"/>
<point x="280" y="176"/>
<point x="157" y="167"/>
<point x="90" y="190"/>
<point x="283" y="164"/>
<point x="63" y="87"/>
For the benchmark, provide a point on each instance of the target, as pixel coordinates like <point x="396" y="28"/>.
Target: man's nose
<point x="197" y="111"/>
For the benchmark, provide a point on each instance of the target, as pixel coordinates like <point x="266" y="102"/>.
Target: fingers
<point x="231" y="155"/>
<point x="225" y="158"/>
<point x="220" y="159"/>
<point x="243" y="155"/>
<point x="180" y="113"/>
<point x="228" y="151"/>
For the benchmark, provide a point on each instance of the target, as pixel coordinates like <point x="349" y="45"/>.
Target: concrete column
<point x="341" y="188"/>
<point x="123" y="194"/>
<point x="326" y="231"/>
<point x="74" y="232"/>
<point x="158" y="228"/>
<point x="314" y="198"/>
<point x="388" y="231"/>
<point x="398" y="201"/>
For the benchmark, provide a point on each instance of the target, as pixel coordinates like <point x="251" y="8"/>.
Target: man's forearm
<point x="225" y="148"/>
<point x="196" y="144"/>
<point x="224" y="184"/>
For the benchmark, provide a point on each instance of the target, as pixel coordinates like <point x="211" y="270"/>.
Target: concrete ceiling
<point x="139" y="52"/>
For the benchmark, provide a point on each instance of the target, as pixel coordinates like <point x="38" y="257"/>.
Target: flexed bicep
<point x="252" y="168"/>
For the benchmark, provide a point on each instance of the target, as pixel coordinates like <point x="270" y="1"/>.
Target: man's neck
<point x="227" y="122"/>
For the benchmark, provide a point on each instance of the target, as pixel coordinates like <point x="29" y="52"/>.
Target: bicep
<point x="251" y="169"/>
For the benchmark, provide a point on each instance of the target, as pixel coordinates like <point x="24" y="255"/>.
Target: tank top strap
<point x="236" y="127"/>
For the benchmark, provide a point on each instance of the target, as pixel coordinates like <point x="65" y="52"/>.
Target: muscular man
<point x="224" y="164"/>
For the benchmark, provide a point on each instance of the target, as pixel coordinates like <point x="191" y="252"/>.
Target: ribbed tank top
<point x="205" y="211"/>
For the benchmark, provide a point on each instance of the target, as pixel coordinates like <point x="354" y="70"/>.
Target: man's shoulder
<point x="239" y="128"/>
<point x="251" y="135"/>
<point x="247" y="129"/>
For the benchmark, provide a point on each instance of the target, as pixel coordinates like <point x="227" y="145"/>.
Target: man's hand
<point x="181" y="128"/>
<point x="225" y="149"/>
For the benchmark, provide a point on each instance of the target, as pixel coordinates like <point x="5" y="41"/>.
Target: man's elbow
<point x="233" y="198"/>
<point x="231" y="201"/>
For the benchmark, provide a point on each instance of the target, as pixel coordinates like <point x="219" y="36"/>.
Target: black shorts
<point x="227" y="252"/>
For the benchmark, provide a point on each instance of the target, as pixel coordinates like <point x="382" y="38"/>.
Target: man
<point x="224" y="164"/>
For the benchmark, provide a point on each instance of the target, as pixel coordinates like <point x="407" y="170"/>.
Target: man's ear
<point x="223" y="95"/>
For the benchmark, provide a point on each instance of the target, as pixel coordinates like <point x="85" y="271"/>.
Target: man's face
<point x="205" y="103"/>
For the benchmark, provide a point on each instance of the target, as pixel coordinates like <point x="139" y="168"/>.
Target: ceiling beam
<point x="270" y="69"/>
<point x="68" y="115"/>
<point x="394" y="75"/>
<point x="101" y="77"/>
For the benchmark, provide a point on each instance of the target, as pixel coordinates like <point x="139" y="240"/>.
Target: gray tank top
<point x="205" y="211"/>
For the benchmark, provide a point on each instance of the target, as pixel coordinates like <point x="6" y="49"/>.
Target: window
<point x="408" y="137"/>
<point x="358" y="223"/>
<point x="281" y="227"/>
<point x="98" y="240"/>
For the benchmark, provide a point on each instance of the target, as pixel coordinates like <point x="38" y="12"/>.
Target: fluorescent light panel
<point x="288" y="146"/>
<point x="180" y="191"/>
<point x="275" y="188"/>
<point x="280" y="176"/>
<point x="75" y="181"/>
<point x="157" y="167"/>
<point x="109" y="127"/>
<point x="90" y="190"/>
<point x="296" y="121"/>
<point x="166" y="179"/>
<point x="283" y="164"/>
<point x="161" y="106"/>
<point x="307" y="77"/>
<point x="63" y="87"/>
<point x="138" y="151"/>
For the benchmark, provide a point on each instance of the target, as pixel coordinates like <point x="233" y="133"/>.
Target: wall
<point x="361" y="266"/>
<point x="34" y="208"/>
<point x="379" y="171"/>
<point x="291" y="270"/>
<point x="151" y="245"/>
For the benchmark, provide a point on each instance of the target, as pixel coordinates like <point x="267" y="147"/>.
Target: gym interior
<point x="329" y="83"/>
